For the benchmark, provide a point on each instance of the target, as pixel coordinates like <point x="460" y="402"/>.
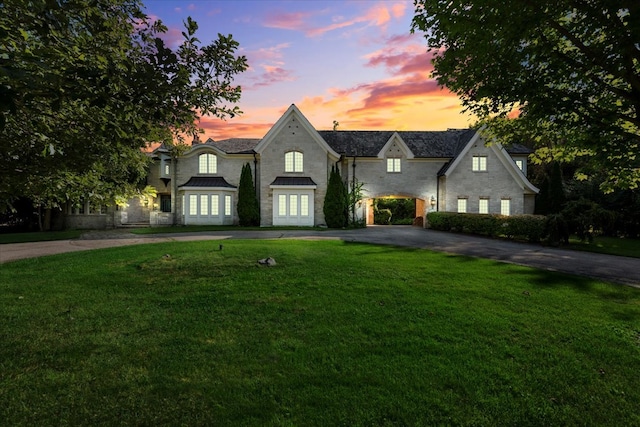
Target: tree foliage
<point x="571" y="69"/>
<point x="248" y="206"/>
<point x="335" y="208"/>
<point x="86" y="85"/>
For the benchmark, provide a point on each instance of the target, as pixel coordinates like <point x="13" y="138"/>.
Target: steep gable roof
<point x="294" y="112"/>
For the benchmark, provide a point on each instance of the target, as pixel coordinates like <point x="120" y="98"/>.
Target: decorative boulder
<point x="269" y="262"/>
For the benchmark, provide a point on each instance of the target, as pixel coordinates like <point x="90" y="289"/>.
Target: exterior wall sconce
<point x="432" y="201"/>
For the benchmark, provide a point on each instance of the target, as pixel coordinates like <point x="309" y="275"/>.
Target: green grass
<point x="200" y="228"/>
<point x="39" y="236"/>
<point x="335" y="334"/>
<point x="608" y="245"/>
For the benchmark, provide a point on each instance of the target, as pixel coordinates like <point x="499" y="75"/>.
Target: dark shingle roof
<point x="293" y="180"/>
<point x="207" y="181"/>
<point x="235" y="145"/>
<point x="426" y="144"/>
<point x="518" y="149"/>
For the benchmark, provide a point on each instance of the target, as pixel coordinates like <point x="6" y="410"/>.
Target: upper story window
<point x="520" y="164"/>
<point x="393" y="164"/>
<point x="167" y="169"/>
<point x="293" y="161"/>
<point x="479" y="164"/>
<point x="207" y="163"/>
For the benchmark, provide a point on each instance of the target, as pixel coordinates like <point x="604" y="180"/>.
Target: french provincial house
<point x="451" y="171"/>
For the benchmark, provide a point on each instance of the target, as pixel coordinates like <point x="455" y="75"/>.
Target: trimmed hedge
<point x="520" y="227"/>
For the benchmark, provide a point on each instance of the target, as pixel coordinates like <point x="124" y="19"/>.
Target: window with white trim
<point x="207" y="163"/>
<point x="479" y="163"/>
<point x="505" y="207"/>
<point x="204" y="204"/>
<point x="483" y="206"/>
<point x="462" y="205"/>
<point x="282" y="205"/>
<point x="293" y="161"/>
<point x="215" y="205"/>
<point x="193" y="204"/>
<point x="304" y="204"/>
<point x="227" y="205"/>
<point x="394" y="164"/>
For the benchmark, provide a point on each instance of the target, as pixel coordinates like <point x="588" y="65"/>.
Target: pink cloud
<point x="378" y="15"/>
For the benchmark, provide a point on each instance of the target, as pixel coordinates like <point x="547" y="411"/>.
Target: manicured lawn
<point x="200" y="228"/>
<point x="608" y="245"/>
<point x="39" y="236"/>
<point x="335" y="334"/>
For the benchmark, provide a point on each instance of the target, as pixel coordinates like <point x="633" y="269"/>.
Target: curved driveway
<point x="606" y="267"/>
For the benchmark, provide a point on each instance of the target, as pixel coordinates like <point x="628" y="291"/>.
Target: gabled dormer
<point x="394" y="152"/>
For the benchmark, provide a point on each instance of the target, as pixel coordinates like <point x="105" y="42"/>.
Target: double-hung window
<point x="462" y="205"/>
<point x="483" y="206"/>
<point x="505" y="207"/>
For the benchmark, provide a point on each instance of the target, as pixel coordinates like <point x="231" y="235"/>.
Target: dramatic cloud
<point x="378" y="15"/>
<point x="266" y="67"/>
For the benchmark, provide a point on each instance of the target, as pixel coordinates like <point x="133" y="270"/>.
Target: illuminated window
<point x="505" y="207"/>
<point x="282" y="205"/>
<point x="483" y="206"/>
<point x="207" y="163"/>
<point x="166" y="169"/>
<point x="393" y="164"/>
<point x="193" y="204"/>
<point x="293" y="161"/>
<point x="479" y="163"/>
<point x="293" y="204"/>
<point x="227" y="205"/>
<point x="462" y="205"/>
<point x="304" y="205"/>
<point x="215" y="204"/>
<point x="520" y="164"/>
<point x="204" y="204"/>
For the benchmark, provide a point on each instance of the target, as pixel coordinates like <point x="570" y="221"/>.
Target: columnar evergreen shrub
<point x="335" y="208"/>
<point x="248" y="206"/>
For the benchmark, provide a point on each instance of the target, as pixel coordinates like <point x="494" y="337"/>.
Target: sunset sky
<point x="354" y="61"/>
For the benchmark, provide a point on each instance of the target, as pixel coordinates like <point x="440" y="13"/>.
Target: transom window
<point x="207" y="163"/>
<point x="293" y="161"/>
<point x="479" y="163"/>
<point x="393" y="164"/>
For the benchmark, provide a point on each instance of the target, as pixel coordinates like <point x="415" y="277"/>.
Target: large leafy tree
<point x="570" y="68"/>
<point x="87" y="85"/>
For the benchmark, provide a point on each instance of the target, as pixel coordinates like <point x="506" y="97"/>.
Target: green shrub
<point x="248" y="206"/>
<point x="521" y="227"/>
<point x="382" y="216"/>
<point x="335" y="208"/>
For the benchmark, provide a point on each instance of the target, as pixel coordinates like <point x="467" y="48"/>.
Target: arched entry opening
<point x="395" y="210"/>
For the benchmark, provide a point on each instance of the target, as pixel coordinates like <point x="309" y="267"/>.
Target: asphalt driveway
<point x="617" y="269"/>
